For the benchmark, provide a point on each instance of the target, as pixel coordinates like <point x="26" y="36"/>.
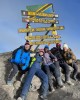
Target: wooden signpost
<point x="45" y="42"/>
<point x="40" y="20"/>
<point x="41" y="14"/>
<point x="42" y="29"/>
<point x="37" y="37"/>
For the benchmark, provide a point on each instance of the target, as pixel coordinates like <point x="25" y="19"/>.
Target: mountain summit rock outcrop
<point x="12" y="92"/>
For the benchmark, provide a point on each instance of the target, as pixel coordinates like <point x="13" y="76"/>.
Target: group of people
<point x="45" y="64"/>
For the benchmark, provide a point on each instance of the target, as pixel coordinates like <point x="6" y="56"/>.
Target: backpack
<point x="15" y="51"/>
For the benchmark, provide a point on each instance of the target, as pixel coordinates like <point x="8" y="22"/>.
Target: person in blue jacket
<point x="35" y="70"/>
<point x="20" y="61"/>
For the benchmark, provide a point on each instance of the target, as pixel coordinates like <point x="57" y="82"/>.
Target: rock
<point x="35" y="84"/>
<point x="4" y="95"/>
<point x="32" y="96"/>
<point x="17" y="85"/>
<point x="9" y="90"/>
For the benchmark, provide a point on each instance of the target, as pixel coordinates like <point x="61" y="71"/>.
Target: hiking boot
<point x="74" y="77"/>
<point x="42" y="97"/>
<point x="50" y="92"/>
<point x="63" y="87"/>
<point x="59" y="81"/>
<point x="53" y="90"/>
<point x="21" y="98"/>
<point x="70" y="83"/>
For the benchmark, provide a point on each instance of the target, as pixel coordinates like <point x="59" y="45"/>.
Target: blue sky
<point x="11" y="21"/>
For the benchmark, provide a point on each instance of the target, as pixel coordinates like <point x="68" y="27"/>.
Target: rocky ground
<point x="11" y="92"/>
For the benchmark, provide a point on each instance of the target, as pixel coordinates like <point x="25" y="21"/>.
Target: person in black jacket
<point x="58" y="52"/>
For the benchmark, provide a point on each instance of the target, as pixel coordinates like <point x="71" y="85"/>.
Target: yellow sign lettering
<point x="40" y="29"/>
<point x="42" y="37"/>
<point x="40" y="14"/>
<point x="45" y="42"/>
<point x="39" y="20"/>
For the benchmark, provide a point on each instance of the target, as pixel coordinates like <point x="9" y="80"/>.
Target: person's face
<point x="27" y="47"/>
<point x="65" y="49"/>
<point x="41" y="53"/>
<point x="46" y="49"/>
<point x="58" y="47"/>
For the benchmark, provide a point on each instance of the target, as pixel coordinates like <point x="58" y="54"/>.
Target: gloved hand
<point x="69" y="56"/>
<point x="55" y="59"/>
<point x="23" y="67"/>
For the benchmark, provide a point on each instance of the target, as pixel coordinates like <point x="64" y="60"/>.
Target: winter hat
<point x="27" y="43"/>
<point x="65" y="46"/>
<point x="46" y="46"/>
<point x="41" y="50"/>
<point x="58" y="45"/>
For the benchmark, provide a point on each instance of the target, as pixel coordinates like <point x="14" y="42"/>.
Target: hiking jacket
<point x="69" y="56"/>
<point x="37" y="61"/>
<point x="58" y="53"/>
<point x="22" y="57"/>
<point x="48" y="58"/>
